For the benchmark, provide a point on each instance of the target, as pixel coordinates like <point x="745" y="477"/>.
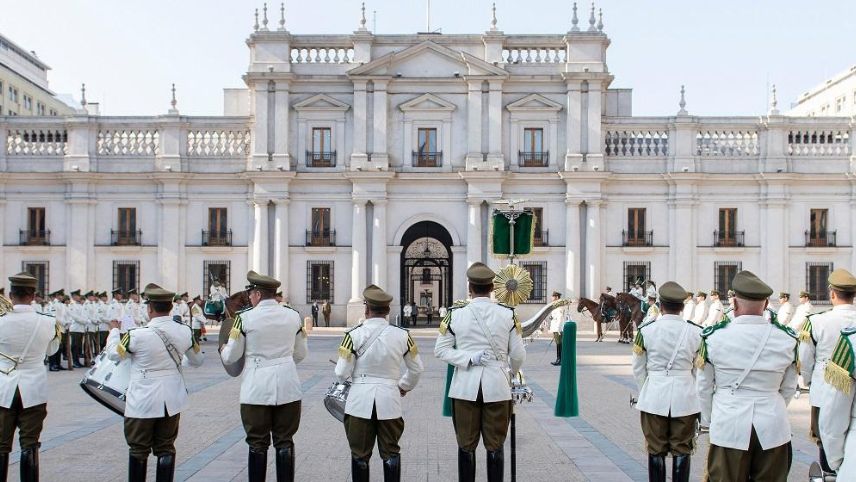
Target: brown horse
<point x="597" y="312"/>
<point x="237" y="303"/>
<point x="630" y="314"/>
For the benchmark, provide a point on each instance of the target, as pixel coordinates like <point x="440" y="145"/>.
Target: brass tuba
<point x="5" y="305"/>
<point x="531" y="325"/>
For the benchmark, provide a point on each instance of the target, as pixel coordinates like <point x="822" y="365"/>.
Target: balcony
<point x="320" y="158"/>
<point x="325" y="237"/>
<point x="533" y="159"/>
<point x="427" y="159"/>
<point x="636" y="239"/>
<point x="217" y="238"/>
<point x="34" y="237"/>
<point x="126" y="238"/>
<point x="820" y="239"/>
<point x="542" y="237"/>
<point x="729" y="239"/>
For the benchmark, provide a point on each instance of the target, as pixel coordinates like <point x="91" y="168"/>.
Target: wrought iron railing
<point x="542" y="237"/>
<point x="427" y="158"/>
<point x="217" y="238"/>
<point x="637" y="238"/>
<point x="325" y="237"/>
<point x="34" y="237"/>
<point x="124" y="237"/>
<point x="320" y="158"/>
<point x="534" y="159"/>
<point x="729" y="239"/>
<point x="820" y="239"/>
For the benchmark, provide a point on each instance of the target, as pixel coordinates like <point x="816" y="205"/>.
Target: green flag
<point x="447" y="402"/>
<point x="524" y="233"/>
<point x="567" y="404"/>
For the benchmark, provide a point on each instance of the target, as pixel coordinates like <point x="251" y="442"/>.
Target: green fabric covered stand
<point x="567" y="404"/>
<point x="447" y="402"/>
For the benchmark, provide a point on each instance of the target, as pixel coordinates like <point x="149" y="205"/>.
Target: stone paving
<point x="83" y="441"/>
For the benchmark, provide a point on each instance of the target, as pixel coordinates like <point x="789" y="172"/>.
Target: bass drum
<point x="233" y="369"/>
<point x="107" y="382"/>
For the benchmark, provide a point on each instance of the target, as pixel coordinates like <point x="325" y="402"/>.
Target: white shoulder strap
<point x="736" y="384"/>
<point x="368" y="343"/>
<point x="678" y="346"/>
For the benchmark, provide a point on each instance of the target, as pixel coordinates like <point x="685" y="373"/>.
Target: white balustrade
<point x="824" y="142"/>
<point x="534" y="55"/>
<point x="37" y="142"/>
<point x="130" y="142"/>
<point x="218" y="143"/>
<point x="322" y="55"/>
<point x="637" y="143"/>
<point x="727" y="143"/>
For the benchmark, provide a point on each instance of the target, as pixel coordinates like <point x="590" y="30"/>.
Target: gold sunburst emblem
<point x="512" y="285"/>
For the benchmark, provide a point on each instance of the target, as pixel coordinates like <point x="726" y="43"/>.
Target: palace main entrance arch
<point x="426" y="270"/>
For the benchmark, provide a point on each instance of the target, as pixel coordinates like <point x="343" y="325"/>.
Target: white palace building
<point x="360" y="158"/>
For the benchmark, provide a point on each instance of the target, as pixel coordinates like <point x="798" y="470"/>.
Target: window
<point x="816" y="281"/>
<point x="127" y="232"/>
<point x="319" y="281"/>
<point x="39" y="269"/>
<point x="28" y="102"/>
<point x="53" y="113"/>
<point x="818" y="234"/>
<point x="40" y="108"/>
<point x="36" y="232"/>
<point x="322" y="154"/>
<point x="321" y="233"/>
<point x="427" y="155"/>
<point x="126" y="275"/>
<point x="538" y="272"/>
<point x="636" y="234"/>
<point x="215" y="271"/>
<point x="533" y="154"/>
<point x="635" y="271"/>
<point x="839" y="103"/>
<point x="723" y="274"/>
<point x="727" y="234"/>
<point x="541" y="235"/>
<point x="218" y="233"/>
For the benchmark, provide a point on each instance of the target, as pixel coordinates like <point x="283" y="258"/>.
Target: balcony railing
<point x="320" y="158"/>
<point x="126" y="237"/>
<point x="34" y="237"/>
<point x="729" y="239"/>
<point x="326" y="237"/>
<point x="427" y="158"/>
<point x="217" y="238"/>
<point x="637" y="238"/>
<point x="533" y="159"/>
<point x="820" y="239"/>
<point x="542" y="237"/>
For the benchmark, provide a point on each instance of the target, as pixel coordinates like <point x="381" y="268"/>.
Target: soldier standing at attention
<point x="271" y="338"/>
<point x="818" y="337"/>
<point x="557" y="322"/>
<point x="371" y="355"/>
<point x="700" y="312"/>
<point x="482" y="341"/>
<point x="801" y="312"/>
<point x="157" y="393"/>
<point x="748" y="377"/>
<point x="197" y="318"/>
<point x="786" y="309"/>
<point x="715" y="310"/>
<point x="56" y="308"/>
<point x="838" y="417"/>
<point x="689" y="307"/>
<point x="27" y="336"/>
<point x="664" y="351"/>
<point x="76" y="312"/>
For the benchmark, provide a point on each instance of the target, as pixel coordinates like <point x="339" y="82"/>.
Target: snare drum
<point x="107" y="382"/>
<point x="335" y="399"/>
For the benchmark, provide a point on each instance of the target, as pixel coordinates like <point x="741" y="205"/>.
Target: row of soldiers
<point x="735" y="379"/>
<point x="704" y="312"/>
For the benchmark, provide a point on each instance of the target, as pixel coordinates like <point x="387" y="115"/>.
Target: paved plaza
<point x="82" y="441"/>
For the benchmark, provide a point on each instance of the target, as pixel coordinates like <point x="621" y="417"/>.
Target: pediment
<point x="428" y="60"/>
<point x="534" y="103"/>
<point x="321" y="102"/>
<point x="427" y="102"/>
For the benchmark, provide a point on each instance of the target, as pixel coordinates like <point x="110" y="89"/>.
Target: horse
<point x="236" y="303"/>
<point x="630" y="314"/>
<point x="598" y="314"/>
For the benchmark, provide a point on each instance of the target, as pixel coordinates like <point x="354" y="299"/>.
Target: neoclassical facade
<point x="361" y="158"/>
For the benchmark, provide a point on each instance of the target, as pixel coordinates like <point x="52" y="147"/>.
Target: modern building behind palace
<point x="360" y="158"/>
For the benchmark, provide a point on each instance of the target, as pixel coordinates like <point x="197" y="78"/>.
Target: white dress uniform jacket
<point x="817" y="347"/>
<point x="557" y="320"/>
<point x="761" y="400"/>
<point x="105" y="311"/>
<point x="800" y="314"/>
<point x="273" y="340"/>
<point x="837" y="425"/>
<point x="664" y="390"/>
<point x="699" y="313"/>
<point x="59" y="311"/>
<point x="485" y="327"/>
<point x="179" y="308"/>
<point x="786" y="310"/>
<point x="197" y="317"/>
<point x="30" y="376"/>
<point x="157" y="387"/>
<point x="77" y="314"/>
<point x="689" y="310"/>
<point x="376" y="372"/>
<point x="714" y="313"/>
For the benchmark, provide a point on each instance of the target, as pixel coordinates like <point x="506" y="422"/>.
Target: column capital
<point x="379" y="202"/>
<point x="360" y="201"/>
<point x="281" y="201"/>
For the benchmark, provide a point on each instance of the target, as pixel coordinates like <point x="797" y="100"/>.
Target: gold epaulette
<point x="346" y="348"/>
<point x="411" y="346"/>
<point x="236" y="328"/>
<point x="638" y="343"/>
<point x="122" y="348"/>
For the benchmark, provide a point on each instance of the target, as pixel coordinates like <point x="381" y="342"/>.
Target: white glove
<point x="476" y="359"/>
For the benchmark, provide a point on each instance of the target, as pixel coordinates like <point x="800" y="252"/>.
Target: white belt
<point x="669" y="373"/>
<point x="148" y="374"/>
<point x="263" y="363"/>
<point x="368" y="379"/>
<point x="493" y="363"/>
<point x="756" y="392"/>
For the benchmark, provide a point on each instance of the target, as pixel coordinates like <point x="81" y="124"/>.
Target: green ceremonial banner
<point x="447" y="402"/>
<point x="524" y="234"/>
<point x="567" y="404"/>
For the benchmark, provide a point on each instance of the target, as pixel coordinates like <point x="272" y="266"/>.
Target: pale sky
<point x="727" y="52"/>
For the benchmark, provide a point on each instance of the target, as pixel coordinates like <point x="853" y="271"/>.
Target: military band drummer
<point x="271" y="339"/>
<point x="482" y="340"/>
<point x="27" y="336"/>
<point x="157" y="393"/>
<point x="371" y="354"/>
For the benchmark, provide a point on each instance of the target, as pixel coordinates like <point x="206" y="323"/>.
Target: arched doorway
<point x="426" y="270"/>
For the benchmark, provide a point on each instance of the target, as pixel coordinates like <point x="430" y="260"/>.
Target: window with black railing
<point x="217" y="238"/>
<point x="729" y="239"/>
<point x="820" y="239"/>
<point x="542" y="236"/>
<point x="123" y="237"/>
<point x="34" y="237"/>
<point x="320" y="158"/>
<point x="326" y="237"/>
<point x="533" y="153"/>
<point x="637" y="238"/>
<point x="427" y="154"/>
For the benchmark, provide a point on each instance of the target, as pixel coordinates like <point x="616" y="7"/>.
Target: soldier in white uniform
<point x="748" y="378"/>
<point x="27" y="336"/>
<point x="700" y="311"/>
<point x="197" y="318"/>
<point x="271" y="338"/>
<point x="93" y="321"/>
<point x="76" y="311"/>
<point x="482" y="340"/>
<point x="665" y="350"/>
<point x="371" y="354"/>
<point x="714" y="310"/>
<point x="114" y="312"/>
<point x="557" y="322"/>
<point x="157" y="393"/>
<point x="786" y="309"/>
<point x="801" y="312"/>
<point x="689" y="308"/>
<point x="56" y="308"/>
<point x="180" y="309"/>
<point x="134" y="308"/>
<point x="837" y="421"/>
<point x="818" y="337"/>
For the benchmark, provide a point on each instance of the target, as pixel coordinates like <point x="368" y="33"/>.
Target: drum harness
<point x="362" y="377"/>
<point x="503" y="360"/>
<point x="17" y="360"/>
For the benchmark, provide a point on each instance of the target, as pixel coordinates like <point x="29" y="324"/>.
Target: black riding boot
<point x="558" y="356"/>
<point x="166" y="468"/>
<point x="824" y="464"/>
<point x="285" y="464"/>
<point x="359" y="470"/>
<point x="656" y="468"/>
<point x="137" y="469"/>
<point x="257" y="465"/>
<point x="681" y="468"/>
<point x="495" y="465"/>
<point x="4" y="466"/>
<point x="30" y="464"/>
<point x="392" y="469"/>
<point x="466" y="466"/>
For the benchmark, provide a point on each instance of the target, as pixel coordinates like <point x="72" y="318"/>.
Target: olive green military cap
<point x="671" y="292"/>
<point x="374" y="296"/>
<point x="479" y="274"/>
<point x="176" y="297"/>
<point x="116" y="291"/>
<point x="804" y="294"/>
<point x="701" y="293"/>
<point x="841" y="279"/>
<point x="60" y="292"/>
<point x="557" y="294"/>
<point x="714" y="292"/>
<point x="75" y="293"/>
<point x="261" y="281"/>
<point x="782" y="294"/>
<point x="132" y="291"/>
<point x="89" y="293"/>
<point x="23" y="280"/>
<point x="158" y="294"/>
<point x="749" y="287"/>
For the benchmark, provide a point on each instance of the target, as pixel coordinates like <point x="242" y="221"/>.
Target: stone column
<point x="474" y="121"/>
<point x="169" y="243"/>
<point x="594" y="150"/>
<point x="474" y="231"/>
<point x="281" y="240"/>
<point x="259" y="246"/>
<point x="459" y="272"/>
<point x="573" y="124"/>
<point x="379" y="242"/>
<point x="281" y="155"/>
<point x="360" y="119"/>
<point x="494" y="133"/>
<point x="593" y="248"/>
<point x="260" y="123"/>
<point x="76" y="245"/>
<point x="379" y="113"/>
<point x="774" y="244"/>
<point x="572" y="248"/>
<point x="358" y="250"/>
